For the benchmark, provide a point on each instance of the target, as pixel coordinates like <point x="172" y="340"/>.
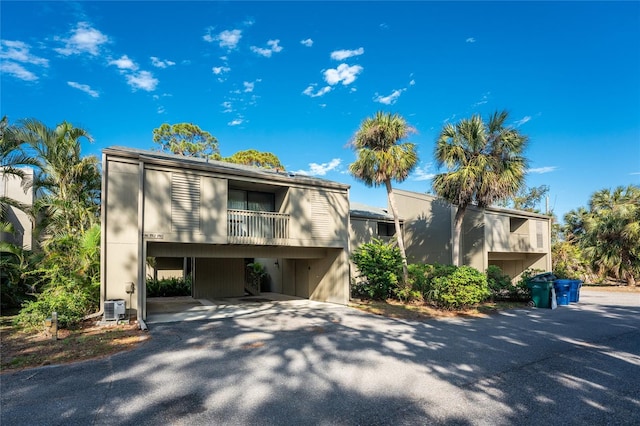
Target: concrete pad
<point x="186" y="308"/>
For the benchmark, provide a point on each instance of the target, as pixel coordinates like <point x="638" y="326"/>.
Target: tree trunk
<point x="399" y="236"/>
<point x="456" y="237"/>
<point x="631" y="279"/>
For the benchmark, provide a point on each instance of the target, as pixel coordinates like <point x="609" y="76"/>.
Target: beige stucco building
<point x="511" y="239"/>
<point x="514" y="240"/>
<point x="221" y="216"/>
<point x="18" y="189"/>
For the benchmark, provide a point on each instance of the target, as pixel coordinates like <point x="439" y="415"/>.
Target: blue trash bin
<point x="574" y="293"/>
<point x="563" y="290"/>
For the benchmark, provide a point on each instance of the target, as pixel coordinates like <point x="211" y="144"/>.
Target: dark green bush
<point x="380" y="264"/>
<point x="464" y="287"/>
<point x="169" y="287"/>
<point x="70" y="297"/>
<point x="15" y="283"/>
<point x="422" y="276"/>
<point x="523" y="290"/>
<point x="502" y="287"/>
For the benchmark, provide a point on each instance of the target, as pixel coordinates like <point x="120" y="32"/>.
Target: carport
<point x="218" y="271"/>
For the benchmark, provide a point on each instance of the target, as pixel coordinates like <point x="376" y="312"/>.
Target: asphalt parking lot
<point x="320" y="364"/>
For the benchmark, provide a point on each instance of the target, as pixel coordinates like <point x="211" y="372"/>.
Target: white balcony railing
<point x="256" y="227"/>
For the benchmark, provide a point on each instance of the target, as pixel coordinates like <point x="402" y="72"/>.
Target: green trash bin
<point x="540" y="293"/>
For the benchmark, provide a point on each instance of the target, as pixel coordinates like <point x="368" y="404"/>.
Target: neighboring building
<point x="368" y="223"/>
<point x="514" y="240"/>
<point x="222" y="216"/>
<point x="20" y="190"/>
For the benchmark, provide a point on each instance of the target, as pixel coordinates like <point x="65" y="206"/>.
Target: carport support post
<point x="142" y="248"/>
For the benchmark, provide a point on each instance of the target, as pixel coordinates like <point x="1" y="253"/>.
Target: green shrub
<point x="15" y="283"/>
<point x="380" y="264"/>
<point x="422" y="276"/>
<point x="464" y="287"/>
<point x="169" y="287"/>
<point x="569" y="261"/>
<point x="71" y="298"/>
<point x="502" y="288"/>
<point x="419" y="277"/>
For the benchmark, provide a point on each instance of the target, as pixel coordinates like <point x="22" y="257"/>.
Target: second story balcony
<point x="253" y="227"/>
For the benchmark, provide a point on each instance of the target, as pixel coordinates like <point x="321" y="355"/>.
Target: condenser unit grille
<point x="114" y="310"/>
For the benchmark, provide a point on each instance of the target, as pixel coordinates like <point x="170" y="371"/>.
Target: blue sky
<point x="298" y="78"/>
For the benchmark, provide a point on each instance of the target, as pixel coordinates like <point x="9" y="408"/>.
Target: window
<point x="251" y="200"/>
<point x="518" y="225"/>
<point x="386" y="229"/>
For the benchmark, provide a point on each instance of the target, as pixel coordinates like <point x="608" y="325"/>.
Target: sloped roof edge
<point x="221" y="167"/>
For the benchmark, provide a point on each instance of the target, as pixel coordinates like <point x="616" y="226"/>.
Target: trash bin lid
<point x="544" y="277"/>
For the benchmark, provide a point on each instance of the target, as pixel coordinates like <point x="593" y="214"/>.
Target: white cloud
<point x="161" y="110"/>
<point x="423" y="173"/>
<point x="248" y="86"/>
<point x="260" y="51"/>
<point x="412" y="83"/>
<point x="142" y="80"/>
<point x="84" y="87"/>
<point x="16" y="54"/>
<point x="309" y="91"/>
<point x="227" y="107"/>
<point x="228" y="39"/>
<point x="17" y="71"/>
<point x="389" y="100"/>
<point x="340" y="55"/>
<point x="18" y="51"/>
<point x="274" y="47"/>
<point x="470" y="40"/>
<point x="316" y="169"/>
<point x="236" y="122"/>
<point x="484" y="100"/>
<point x="526" y="119"/>
<point x="308" y="42"/>
<point x="220" y="70"/>
<point x="208" y="37"/>
<point x="124" y="63"/>
<point x="84" y="39"/>
<point x="541" y="170"/>
<point x="161" y="63"/>
<point x="344" y="73"/>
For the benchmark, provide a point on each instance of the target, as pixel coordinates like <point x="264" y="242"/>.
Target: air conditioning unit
<point x="114" y="310"/>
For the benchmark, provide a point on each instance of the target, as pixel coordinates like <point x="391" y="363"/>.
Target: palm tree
<point x="11" y="157"/>
<point x="382" y="158"/>
<point x="484" y="165"/>
<point x="612" y="233"/>
<point x="69" y="184"/>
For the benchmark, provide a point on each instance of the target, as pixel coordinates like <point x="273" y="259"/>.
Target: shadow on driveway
<point x="329" y="364"/>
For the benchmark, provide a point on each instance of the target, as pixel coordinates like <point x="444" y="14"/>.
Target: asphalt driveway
<point x="323" y="364"/>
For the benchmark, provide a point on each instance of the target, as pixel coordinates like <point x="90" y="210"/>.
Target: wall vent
<point x="321" y="217"/>
<point x="539" y="236"/>
<point x="185" y="202"/>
